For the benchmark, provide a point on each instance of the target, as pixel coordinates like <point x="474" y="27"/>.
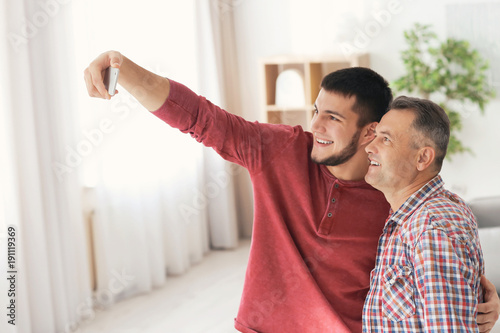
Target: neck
<point x="397" y="197"/>
<point x="354" y="169"/>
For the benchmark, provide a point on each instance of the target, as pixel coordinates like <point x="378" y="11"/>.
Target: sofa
<point x="487" y="213"/>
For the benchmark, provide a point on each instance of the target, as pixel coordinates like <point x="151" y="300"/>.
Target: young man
<point x="429" y="261"/>
<point x="317" y="221"/>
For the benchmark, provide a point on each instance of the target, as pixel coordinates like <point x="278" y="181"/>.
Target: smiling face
<point x="335" y="129"/>
<point x="393" y="156"/>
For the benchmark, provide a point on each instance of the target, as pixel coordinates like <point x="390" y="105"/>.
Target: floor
<point x="204" y="300"/>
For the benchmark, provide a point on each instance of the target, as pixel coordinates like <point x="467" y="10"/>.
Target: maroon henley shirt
<point x="314" y="236"/>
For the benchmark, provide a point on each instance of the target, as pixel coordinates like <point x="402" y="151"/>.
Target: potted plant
<point x="451" y="71"/>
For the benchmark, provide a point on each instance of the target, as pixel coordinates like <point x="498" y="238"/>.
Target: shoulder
<point x="444" y="211"/>
<point x="285" y="137"/>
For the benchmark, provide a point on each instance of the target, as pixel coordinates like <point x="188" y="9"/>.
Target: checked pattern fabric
<point x="429" y="263"/>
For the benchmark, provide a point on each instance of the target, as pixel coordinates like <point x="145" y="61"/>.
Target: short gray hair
<point x="430" y="120"/>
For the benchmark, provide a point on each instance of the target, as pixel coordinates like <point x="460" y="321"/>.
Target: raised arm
<point x="250" y="144"/>
<point x="149" y="89"/>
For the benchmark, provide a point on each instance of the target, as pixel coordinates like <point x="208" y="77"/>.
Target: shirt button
<point x="336" y="185"/>
<point x="333" y="200"/>
<point x="330" y="214"/>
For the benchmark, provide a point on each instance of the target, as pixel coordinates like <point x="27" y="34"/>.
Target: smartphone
<point x="111" y="79"/>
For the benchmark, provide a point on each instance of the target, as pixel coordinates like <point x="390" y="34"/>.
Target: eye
<point x="333" y="118"/>
<point x="386" y="139"/>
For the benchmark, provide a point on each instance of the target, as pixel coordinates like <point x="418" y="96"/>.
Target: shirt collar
<point x="416" y="199"/>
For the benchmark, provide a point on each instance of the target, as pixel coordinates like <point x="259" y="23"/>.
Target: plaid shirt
<point x="428" y="267"/>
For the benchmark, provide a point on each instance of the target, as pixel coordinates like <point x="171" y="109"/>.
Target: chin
<point x="316" y="158"/>
<point x="371" y="181"/>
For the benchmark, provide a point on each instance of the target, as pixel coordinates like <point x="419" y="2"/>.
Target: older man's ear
<point x="425" y="158"/>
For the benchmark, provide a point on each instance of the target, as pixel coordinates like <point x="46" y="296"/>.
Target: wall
<point x="274" y="27"/>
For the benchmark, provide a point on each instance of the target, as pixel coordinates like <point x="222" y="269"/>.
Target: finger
<point x="115" y="62"/>
<point x="487" y="283"/>
<point x="484" y="308"/>
<point x="97" y="79"/>
<point x="115" y="59"/>
<point x="485" y="328"/>
<point x="483" y="319"/>
<point x="91" y="90"/>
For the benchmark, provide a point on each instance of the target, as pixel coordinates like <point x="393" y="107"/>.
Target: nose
<point x="315" y="124"/>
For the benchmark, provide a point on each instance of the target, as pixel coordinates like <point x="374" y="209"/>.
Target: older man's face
<point x="391" y="154"/>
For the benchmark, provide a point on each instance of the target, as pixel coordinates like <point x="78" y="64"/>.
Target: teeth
<point x="374" y="163"/>
<point x="324" y="142"/>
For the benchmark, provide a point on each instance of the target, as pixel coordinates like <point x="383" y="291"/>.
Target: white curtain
<point x="221" y="83"/>
<point x="51" y="268"/>
<point x="147" y="219"/>
<point x="159" y="199"/>
<point x="152" y="204"/>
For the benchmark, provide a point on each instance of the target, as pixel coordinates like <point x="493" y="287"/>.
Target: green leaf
<point x="452" y="68"/>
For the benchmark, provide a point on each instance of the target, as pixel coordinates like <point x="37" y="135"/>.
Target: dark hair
<point x="371" y="90"/>
<point x="430" y="120"/>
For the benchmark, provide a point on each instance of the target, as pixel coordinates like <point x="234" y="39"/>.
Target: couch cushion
<point x="490" y="243"/>
<point x="487" y="211"/>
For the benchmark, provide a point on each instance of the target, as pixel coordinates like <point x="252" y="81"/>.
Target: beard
<point x="343" y="156"/>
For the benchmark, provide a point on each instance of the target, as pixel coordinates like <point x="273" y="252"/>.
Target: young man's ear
<point x="368" y="133"/>
<point x="425" y="158"/>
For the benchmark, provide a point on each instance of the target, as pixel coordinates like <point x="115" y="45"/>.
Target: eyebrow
<point x="383" y="133"/>
<point x="335" y="113"/>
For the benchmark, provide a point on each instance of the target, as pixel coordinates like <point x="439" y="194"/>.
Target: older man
<point x="429" y="260"/>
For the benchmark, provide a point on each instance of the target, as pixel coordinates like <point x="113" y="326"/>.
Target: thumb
<point x="486" y="283"/>
<point x="115" y="62"/>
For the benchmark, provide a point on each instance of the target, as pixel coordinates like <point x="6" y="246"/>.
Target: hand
<point x="489" y="311"/>
<point x="94" y="74"/>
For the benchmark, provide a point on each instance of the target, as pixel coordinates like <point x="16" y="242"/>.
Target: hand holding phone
<point x="111" y="79"/>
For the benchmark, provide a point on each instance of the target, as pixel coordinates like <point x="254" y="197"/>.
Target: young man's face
<point x="391" y="154"/>
<point x="335" y="129"/>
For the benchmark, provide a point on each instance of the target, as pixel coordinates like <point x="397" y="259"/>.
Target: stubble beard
<point x="345" y="155"/>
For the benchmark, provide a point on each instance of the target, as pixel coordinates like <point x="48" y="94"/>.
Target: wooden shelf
<point x="289" y="117"/>
<point x="312" y="69"/>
